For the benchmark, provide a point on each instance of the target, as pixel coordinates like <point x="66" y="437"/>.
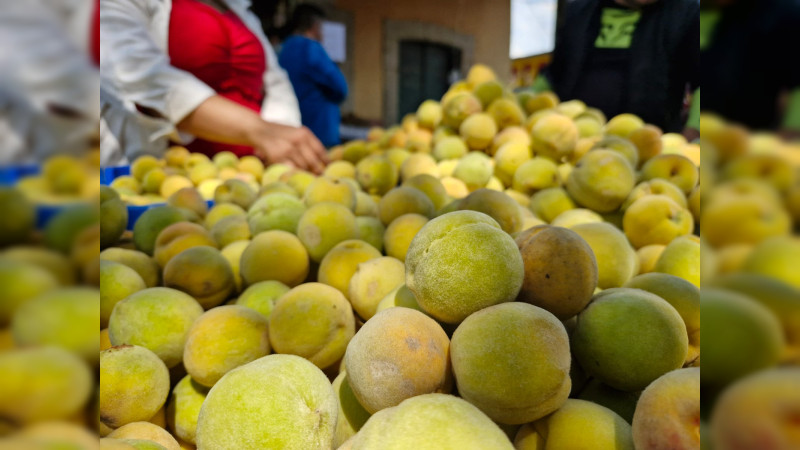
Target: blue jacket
<point x="319" y="85"/>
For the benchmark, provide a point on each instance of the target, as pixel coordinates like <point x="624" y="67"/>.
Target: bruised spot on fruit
<point x="412" y="342"/>
<point x="312" y="235"/>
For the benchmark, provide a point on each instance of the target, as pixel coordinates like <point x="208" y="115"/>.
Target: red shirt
<point x="219" y="49"/>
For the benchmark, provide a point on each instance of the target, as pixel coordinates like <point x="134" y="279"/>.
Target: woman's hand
<point x="221" y="120"/>
<point x="275" y="143"/>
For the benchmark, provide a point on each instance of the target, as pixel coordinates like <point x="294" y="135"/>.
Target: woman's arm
<point x="141" y="73"/>
<point x="221" y="120"/>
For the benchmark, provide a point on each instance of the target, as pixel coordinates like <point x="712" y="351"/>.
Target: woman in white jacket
<point x="149" y="101"/>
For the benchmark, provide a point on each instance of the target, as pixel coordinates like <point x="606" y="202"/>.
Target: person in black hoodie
<point x="751" y="67"/>
<point x="629" y="56"/>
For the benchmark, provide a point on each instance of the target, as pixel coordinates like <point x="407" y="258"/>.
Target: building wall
<point x="486" y="20"/>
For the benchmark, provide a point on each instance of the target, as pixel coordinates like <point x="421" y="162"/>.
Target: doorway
<point x="425" y="72"/>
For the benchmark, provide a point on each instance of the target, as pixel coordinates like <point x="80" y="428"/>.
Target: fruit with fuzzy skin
<point x="323" y="226"/>
<point x="676" y="169"/>
<point x="601" y="341"/>
<point x="158" y="319"/>
<point x="577" y="425"/>
<point x="601" y="180"/>
<point x="451" y="147"/>
<point x="681" y="258"/>
<point x="577" y="216"/>
<point x="339" y="265"/>
<point x="401" y="232"/>
<point x="648" y="142"/>
<point x="298" y="397"/>
<point x="314" y="321"/>
<point x="236" y="192"/>
<point x="151" y="223"/>
<point x="144" y="265"/>
<point x="371" y="231"/>
<point x="656" y="219"/>
<point x="416" y="164"/>
<point x="508" y="159"/>
<point x="443" y="421"/>
<point x="459" y="107"/>
<point x="528" y="349"/>
<point x="203" y="273"/>
<point x="325" y="190"/>
<point x="550" y="203"/>
<point x="488" y="91"/>
<point x="372" y="281"/>
<point x="429" y="114"/>
<point x="536" y="174"/>
<point x="475" y="170"/>
<point x="616" y="260"/>
<point x="402" y="296"/>
<point x="777" y="258"/>
<point x="515" y="133"/>
<point x="145" y="431"/>
<point x="496" y="205"/>
<point x="19" y="283"/>
<point x="668" y="412"/>
<point x="756" y="410"/>
<point x="352" y="416"/>
<point x="233" y="254"/>
<point x="620" y="145"/>
<point x="657" y="186"/>
<point x="189" y="198"/>
<point x="682" y="295"/>
<point x="221" y="211"/>
<point x="560" y="270"/>
<point x="117" y="281"/>
<point x="184" y="408"/>
<point x="445" y="252"/>
<point x="276" y="211"/>
<point x="554" y="137"/>
<point x="478" y="130"/>
<point x="430" y="186"/>
<point x="398" y="354"/>
<point x="43" y="383"/>
<point x="506" y="113"/>
<point x="404" y="200"/>
<point x="740" y="336"/>
<point x="113" y="217"/>
<point x="64" y="318"/>
<point x="135" y="385"/>
<point x="274" y="255"/>
<point x="623" y="125"/>
<point x="223" y="339"/>
<point x="262" y="296"/>
<point x="178" y="237"/>
<point x="230" y="230"/>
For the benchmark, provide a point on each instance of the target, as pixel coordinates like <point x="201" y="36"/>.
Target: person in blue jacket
<point x="318" y="83"/>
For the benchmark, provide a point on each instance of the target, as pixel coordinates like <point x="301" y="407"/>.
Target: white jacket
<point x="44" y="63"/>
<point x="135" y="69"/>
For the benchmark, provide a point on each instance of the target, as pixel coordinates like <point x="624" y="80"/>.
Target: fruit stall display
<point x="498" y="271"/>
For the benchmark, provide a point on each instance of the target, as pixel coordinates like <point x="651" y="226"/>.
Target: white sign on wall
<point x="334" y="40"/>
<point x="533" y="27"/>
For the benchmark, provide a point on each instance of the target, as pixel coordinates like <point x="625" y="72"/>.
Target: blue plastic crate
<point x="107" y="174"/>
<point x="11" y="175"/>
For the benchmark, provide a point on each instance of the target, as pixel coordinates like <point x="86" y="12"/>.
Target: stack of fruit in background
<point x="497" y="271"/>
<point x="50" y="306"/>
<point x="751" y="286"/>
